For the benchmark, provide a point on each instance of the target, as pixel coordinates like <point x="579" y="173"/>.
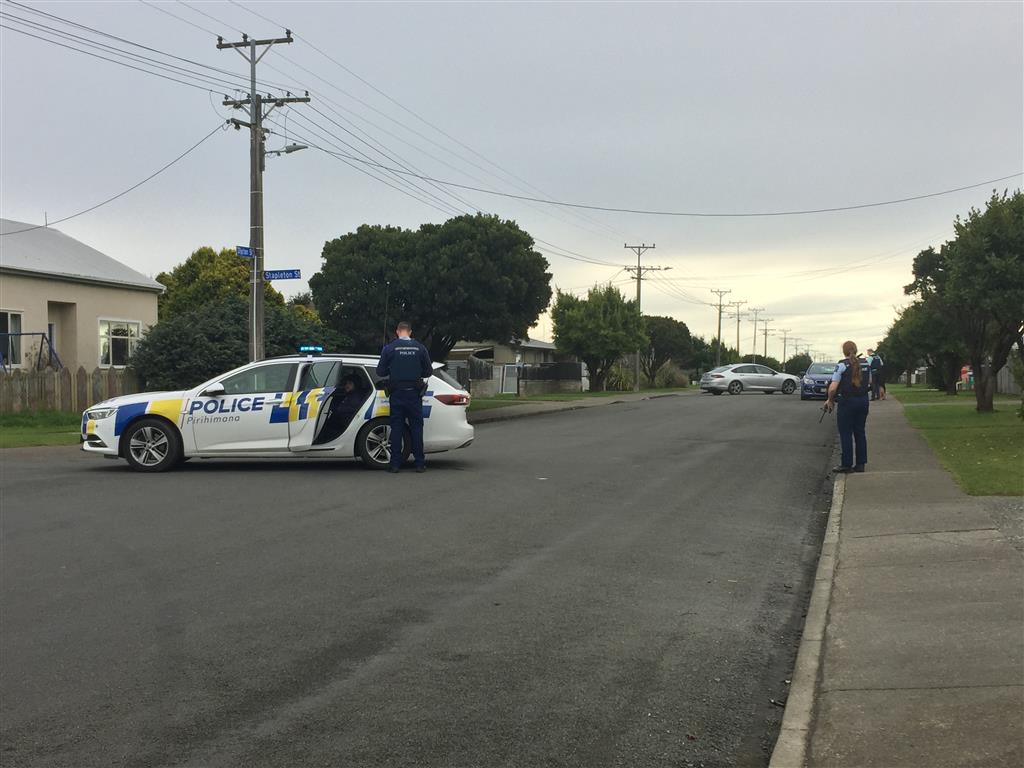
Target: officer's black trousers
<point x="851" y="418"/>
<point x="406" y="408"/>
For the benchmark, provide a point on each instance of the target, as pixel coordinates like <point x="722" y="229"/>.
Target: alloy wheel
<point x="149" y="446"/>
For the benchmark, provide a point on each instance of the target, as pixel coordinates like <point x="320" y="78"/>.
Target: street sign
<point x="282" y="274"/>
<point x="243" y="250"/>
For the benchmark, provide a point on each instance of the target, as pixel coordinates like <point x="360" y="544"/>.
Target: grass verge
<point x="984" y="451"/>
<point x="20" y="430"/>
<point x="924" y="395"/>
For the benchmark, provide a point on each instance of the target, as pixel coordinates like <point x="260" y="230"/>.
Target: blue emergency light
<point x="311" y="349"/>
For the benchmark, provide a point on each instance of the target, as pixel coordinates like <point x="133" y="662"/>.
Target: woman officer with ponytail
<point x="851" y="385"/>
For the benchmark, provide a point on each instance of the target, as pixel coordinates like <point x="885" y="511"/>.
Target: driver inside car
<point x="344" y="407"/>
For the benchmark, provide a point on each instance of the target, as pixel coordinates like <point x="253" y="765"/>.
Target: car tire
<point x="804" y="397"/>
<point x="735" y="387"/>
<point x="373" y="444"/>
<point x="152" y="445"/>
<point x="769" y="391"/>
<point x="788" y="388"/>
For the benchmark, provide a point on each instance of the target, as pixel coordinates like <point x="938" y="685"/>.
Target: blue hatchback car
<point x="815" y="381"/>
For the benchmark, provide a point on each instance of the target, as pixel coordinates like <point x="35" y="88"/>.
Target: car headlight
<point x="100" y="413"/>
<point x="808" y="380"/>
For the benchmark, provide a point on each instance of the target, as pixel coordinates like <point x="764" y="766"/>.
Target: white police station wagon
<point x="295" y="406"/>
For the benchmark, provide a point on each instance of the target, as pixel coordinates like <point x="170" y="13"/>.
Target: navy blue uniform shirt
<point x="406" y="362"/>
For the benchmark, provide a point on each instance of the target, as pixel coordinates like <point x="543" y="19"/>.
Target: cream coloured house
<point x="92" y="307"/>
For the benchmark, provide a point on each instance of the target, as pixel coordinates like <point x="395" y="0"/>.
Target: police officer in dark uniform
<point x="406" y="363"/>
<point x="851" y="384"/>
<point x="877" y="365"/>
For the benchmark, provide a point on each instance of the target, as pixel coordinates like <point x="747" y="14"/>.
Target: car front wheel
<point x="788" y="388"/>
<point x="152" y="445"/>
<point x="374" y="444"/>
<point x="735" y="387"/>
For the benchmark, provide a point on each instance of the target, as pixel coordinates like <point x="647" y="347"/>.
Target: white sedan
<point x="329" y="405"/>
<point x="751" y="377"/>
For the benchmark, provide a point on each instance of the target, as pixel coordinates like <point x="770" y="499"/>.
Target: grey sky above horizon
<point x="710" y="107"/>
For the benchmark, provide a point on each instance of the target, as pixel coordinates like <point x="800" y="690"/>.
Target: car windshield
<point x="821" y="368"/>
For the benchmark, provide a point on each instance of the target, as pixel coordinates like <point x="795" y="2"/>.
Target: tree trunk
<point x="951" y="375"/>
<point x="984" y="385"/>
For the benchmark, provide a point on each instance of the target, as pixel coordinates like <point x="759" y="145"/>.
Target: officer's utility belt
<point x="400" y="386"/>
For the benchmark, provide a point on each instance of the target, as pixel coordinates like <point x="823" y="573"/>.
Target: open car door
<point x="314" y="413"/>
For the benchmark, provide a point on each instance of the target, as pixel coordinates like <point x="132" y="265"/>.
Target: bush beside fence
<point x="63" y="390"/>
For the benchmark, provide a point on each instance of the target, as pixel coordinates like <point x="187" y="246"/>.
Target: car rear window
<point x="447" y="378"/>
<point x="720" y="368"/>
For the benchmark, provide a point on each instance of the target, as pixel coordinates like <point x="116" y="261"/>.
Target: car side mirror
<point x="214" y="390"/>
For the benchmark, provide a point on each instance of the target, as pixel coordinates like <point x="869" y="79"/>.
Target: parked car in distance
<point x="751" y="377"/>
<point x="814" y="384"/>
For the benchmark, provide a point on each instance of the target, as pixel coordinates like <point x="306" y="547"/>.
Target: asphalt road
<point x="620" y="586"/>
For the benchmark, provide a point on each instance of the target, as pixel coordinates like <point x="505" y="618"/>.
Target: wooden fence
<point x="64" y="390"/>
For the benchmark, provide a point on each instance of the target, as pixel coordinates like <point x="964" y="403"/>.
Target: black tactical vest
<point x="846" y="387"/>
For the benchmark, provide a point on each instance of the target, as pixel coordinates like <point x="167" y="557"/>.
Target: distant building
<point x="93" y="308"/>
<point x="524" y="352"/>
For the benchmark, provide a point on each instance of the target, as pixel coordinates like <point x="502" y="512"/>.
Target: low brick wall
<point x="483" y="387"/>
<point x="528" y="387"/>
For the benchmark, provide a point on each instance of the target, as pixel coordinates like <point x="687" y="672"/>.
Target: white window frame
<point x="99" y="336"/>
<point x="21" y="314"/>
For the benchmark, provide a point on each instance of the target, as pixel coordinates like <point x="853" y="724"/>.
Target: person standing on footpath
<point x="851" y="384"/>
<point x="877" y="365"/>
<point x="406" y="364"/>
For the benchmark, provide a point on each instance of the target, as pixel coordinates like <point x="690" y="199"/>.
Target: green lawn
<point x="19" y="430"/>
<point x="500" y="401"/>
<point x="922" y="394"/>
<point x="984" y="451"/>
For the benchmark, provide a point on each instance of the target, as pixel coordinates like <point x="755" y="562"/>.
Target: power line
<point x="126" y="41"/>
<point x="344" y="157"/>
<point x="647" y="212"/>
<point x="104" y="58"/>
<point x="415" y="114"/>
<point x="212" y="81"/>
<point x="125" y="192"/>
<point x="211" y="18"/>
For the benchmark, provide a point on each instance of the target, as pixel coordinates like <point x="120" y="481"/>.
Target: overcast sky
<point x="698" y="107"/>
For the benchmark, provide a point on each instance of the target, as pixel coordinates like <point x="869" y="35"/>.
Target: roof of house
<point x="525" y="344"/>
<point x="47" y="252"/>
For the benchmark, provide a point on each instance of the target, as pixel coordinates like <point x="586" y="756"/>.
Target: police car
<point x="294" y="406"/>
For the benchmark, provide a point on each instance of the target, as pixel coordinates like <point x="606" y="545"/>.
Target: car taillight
<point x="462" y="399"/>
<point x="717" y="376"/>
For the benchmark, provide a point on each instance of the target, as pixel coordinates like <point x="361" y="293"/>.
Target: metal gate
<point x="510" y="380"/>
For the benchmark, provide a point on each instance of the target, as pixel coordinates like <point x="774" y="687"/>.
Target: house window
<point x="117" y="341"/>
<point x="10" y="346"/>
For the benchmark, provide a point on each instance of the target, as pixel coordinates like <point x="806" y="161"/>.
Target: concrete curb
<point x="794" y="735"/>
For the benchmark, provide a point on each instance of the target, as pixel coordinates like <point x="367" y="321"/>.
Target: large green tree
<point x="473" y="277"/>
<point x="208" y="276"/>
<point x="668" y="339"/>
<point x="977" y="281"/>
<point x="599" y="329"/>
<point x="194" y="345"/>
<point x="798" y="364"/>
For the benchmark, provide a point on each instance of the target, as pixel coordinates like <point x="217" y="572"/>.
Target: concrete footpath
<point x="541" y="407"/>
<point x="913" y="651"/>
